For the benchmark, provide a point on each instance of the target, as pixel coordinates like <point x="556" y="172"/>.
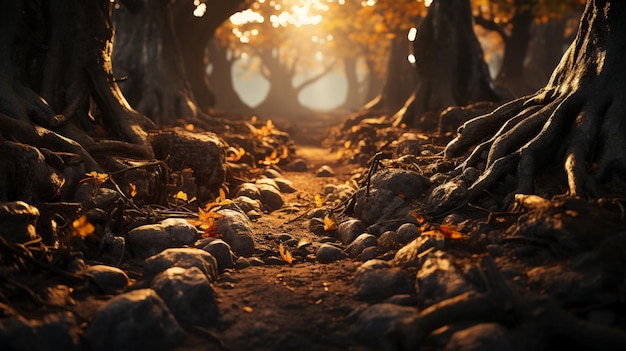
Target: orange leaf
<point x="81" y="227"/>
<point x="329" y="224"/>
<point x="449" y="232"/>
<point x="132" y="189"/>
<point x="285" y="254"/>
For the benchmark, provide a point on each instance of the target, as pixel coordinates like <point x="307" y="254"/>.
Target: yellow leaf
<point x="329" y="224"/>
<point x="222" y="195"/>
<point x="347" y="144"/>
<point x="132" y="189"/>
<point x="319" y="202"/>
<point x="236" y="154"/>
<point x="285" y="254"/>
<point x="98" y="177"/>
<point x="248" y="309"/>
<point x="81" y="227"/>
<point x="181" y="196"/>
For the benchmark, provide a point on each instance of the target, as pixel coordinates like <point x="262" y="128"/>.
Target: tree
<point x="47" y="95"/>
<point x="160" y="48"/>
<point x="450" y="67"/>
<point x="513" y="20"/>
<point x="576" y="122"/>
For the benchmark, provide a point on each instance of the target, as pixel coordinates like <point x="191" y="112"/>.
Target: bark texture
<point x="576" y="122"/>
<point x="450" y="67"/>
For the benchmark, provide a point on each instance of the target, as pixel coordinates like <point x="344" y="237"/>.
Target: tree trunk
<point x="450" y="67"/>
<point x="512" y="75"/>
<point x="353" y="94"/>
<point x="576" y="122"/>
<point x="227" y="99"/>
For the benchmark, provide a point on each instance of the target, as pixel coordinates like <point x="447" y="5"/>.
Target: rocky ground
<point x="335" y="251"/>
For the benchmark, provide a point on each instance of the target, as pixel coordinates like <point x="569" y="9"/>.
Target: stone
<point x="136" y="320"/>
<point x="236" y="230"/>
<point x="359" y="244"/>
<point x="388" y="241"/>
<point x="221" y="251"/>
<point x="285" y="186"/>
<point x="297" y="165"/>
<point x="438" y="279"/>
<point x="147" y="240"/>
<point x="369" y="253"/>
<point x="267" y="181"/>
<point x="57" y="331"/>
<point x="328" y="253"/>
<point x="409" y="255"/>
<point x="376" y="281"/>
<point x="247" y="204"/>
<point x="349" y="230"/>
<point x="271" y="173"/>
<point x="407" y="144"/>
<point x="188" y="294"/>
<point x="18" y="221"/>
<point x="325" y="171"/>
<point x="400" y="181"/>
<point x="109" y="280"/>
<point x="182" y="257"/>
<point x="447" y="196"/>
<point x="248" y="190"/>
<point x="271" y="198"/>
<point x="407" y="233"/>
<point x="379" y="205"/>
<point x="242" y="263"/>
<point x="482" y="337"/>
<point x="380" y="326"/>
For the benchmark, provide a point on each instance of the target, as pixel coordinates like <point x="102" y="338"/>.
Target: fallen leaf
<point x="248" y="309"/>
<point x="98" y="177"/>
<point x="329" y="224"/>
<point x="181" y="195"/>
<point x="449" y="232"/>
<point x="319" y="201"/>
<point x="285" y="254"/>
<point x="189" y="127"/>
<point x="132" y="189"/>
<point x="81" y="227"/>
<point x="236" y="154"/>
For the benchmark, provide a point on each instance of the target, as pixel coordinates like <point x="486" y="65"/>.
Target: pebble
<point x="481" y="337"/>
<point x="271" y="173"/>
<point x="57" y="331"/>
<point x="379" y="326"/>
<point x="349" y="230"/>
<point x="374" y="281"/>
<point x="188" y="294"/>
<point x="242" y="263"/>
<point x="407" y="233"/>
<point x="369" y="253"/>
<point x="359" y="244"/>
<point x="285" y="186"/>
<point x="185" y="258"/>
<point x="267" y="181"/>
<point x="297" y="165"/>
<point x="221" y="251"/>
<point x="236" y="230"/>
<point x="255" y="261"/>
<point x="325" y="171"/>
<point x="447" y="196"/>
<point x="388" y="241"/>
<point x="438" y="279"/>
<point x="400" y="181"/>
<point x="248" y="190"/>
<point x="147" y="240"/>
<point x="274" y="260"/>
<point x="409" y="255"/>
<point x="328" y="253"/>
<point x="136" y="320"/>
<point x="109" y="280"/>
<point x="270" y="197"/>
<point x="18" y="221"/>
<point x="247" y="204"/>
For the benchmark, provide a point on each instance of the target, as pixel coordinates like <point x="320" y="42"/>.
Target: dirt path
<point x="302" y="306"/>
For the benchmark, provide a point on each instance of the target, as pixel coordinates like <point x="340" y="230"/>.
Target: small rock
<point x="325" y="171"/>
<point x="349" y="230"/>
<point x="402" y="300"/>
<point x="222" y="253"/>
<point x="380" y="326"/>
<point x="328" y="253"/>
<point x="447" y="196"/>
<point x="185" y="258"/>
<point x="109" y="279"/>
<point x="267" y="181"/>
<point x="58" y="331"/>
<point x="378" y="204"/>
<point x="247" y="204"/>
<point x="270" y="197"/>
<point x="242" y="263"/>
<point x="17" y="221"/>
<point x="282" y="237"/>
<point x="407" y="233"/>
<point x="188" y="294"/>
<point x="376" y="282"/>
<point x="271" y="173"/>
<point x="297" y="165"/>
<point x="147" y="240"/>
<point x="274" y="260"/>
<point x="255" y="261"/>
<point x="359" y="244"/>
<point x="136" y="320"/>
<point x="249" y="190"/>
<point x="285" y="186"/>
<point x="400" y="181"/>
<point x="236" y="230"/>
<point x="481" y="337"/>
<point x="408" y="256"/>
<point x="438" y="279"/>
<point x="388" y="241"/>
<point x="369" y="253"/>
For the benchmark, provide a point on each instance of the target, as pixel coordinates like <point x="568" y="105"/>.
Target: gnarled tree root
<point x="576" y="121"/>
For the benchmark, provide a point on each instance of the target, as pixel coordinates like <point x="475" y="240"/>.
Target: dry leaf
<point x="319" y="201"/>
<point x="189" y="127"/>
<point x="181" y="195"/>
<point x="132" y="189"/>
<point x="248" y="309"/>
<point x="285" y="254"/>
<point x="236" y="154"/>
<point x="98" y="177"/>
<point x="81" y="227"/>
<point x="329" y="224"/>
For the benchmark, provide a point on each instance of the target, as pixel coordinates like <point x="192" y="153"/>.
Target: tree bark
<point x="450" y="67"/>
<point x="576" y="122"/>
